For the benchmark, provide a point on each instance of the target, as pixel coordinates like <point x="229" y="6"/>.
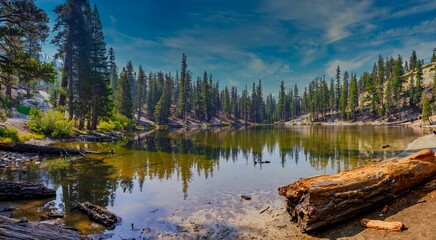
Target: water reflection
<point x="162" y="155"/>
<point x="146" y="169"/>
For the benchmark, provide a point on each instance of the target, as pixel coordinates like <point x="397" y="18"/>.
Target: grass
<point x="10" y="134"/>
<point x="24" y="110"/>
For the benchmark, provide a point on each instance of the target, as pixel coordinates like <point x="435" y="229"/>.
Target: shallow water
<point x="156" y="179"/>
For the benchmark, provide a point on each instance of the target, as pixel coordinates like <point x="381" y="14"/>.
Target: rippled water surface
<point x="155" y="175"/>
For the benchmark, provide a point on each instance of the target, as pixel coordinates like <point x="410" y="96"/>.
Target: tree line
<point x="392" y="86"/>
<point x="93" y="88"/>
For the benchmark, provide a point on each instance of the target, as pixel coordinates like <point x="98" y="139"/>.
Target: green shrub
<point x="24" y="110"/>
<point x="51" y="123"/>
<point x="8" y="134"/>
<point x="116" y="123"/>
<point x="26" y="136"/>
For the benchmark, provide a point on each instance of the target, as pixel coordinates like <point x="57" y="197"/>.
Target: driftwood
<point x="100" y="137"/>
<point x="30" y="148"/>
<point x="49" y="150"/>
<point x="98" y="214"/>
<point x="382" y="225"/>
<point x="322" y="200"/>
<point x="19" y="229"/>
<point x="10" y="190"/>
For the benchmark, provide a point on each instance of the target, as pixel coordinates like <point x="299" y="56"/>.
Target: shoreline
<point x="249" y="220"/>
<point x="261" y="218"/>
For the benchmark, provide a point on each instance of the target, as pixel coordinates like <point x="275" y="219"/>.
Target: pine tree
<point x="418" y="86"/>
<point x="397" y="79"/>
<point x="113" y="75"/>
<point x="371" y="89"/>
<point x="389" y="101"/>
<point x="413" y="61"/>
<point x="354" y="96"/>
<point x="426" y="109"/>
<point x="260" y="104"/>
<point x="296" y="101"/>
<point x="132" y="79"/>
<point x="71" y="34"/>
<point x="23" y="27"/>
<point x="282" y="101"/>
<point x="123" y="95"/>
<point x="254" y="107"/>
<point x="433" y="56"/>
<point x="184" y="85"/>
<point x="101" y="103"/>
<point x="245" y="104"/>
<point x="344" y="96"/>
<point x="141" y="91"/>
<point x="163" y="106"/>
<point x="205" y="95"/>
<point x="332" y="98"/>
<point x="225" y="98"/>
<point x="338" y="89"/>
<point x="234" y="103"/>
<point x="380" y="80"/>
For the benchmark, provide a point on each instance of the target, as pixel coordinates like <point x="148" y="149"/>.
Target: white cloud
<point x="415" y="7"/>
<point x="334" y="19"/>
<point x="350" y="65"/>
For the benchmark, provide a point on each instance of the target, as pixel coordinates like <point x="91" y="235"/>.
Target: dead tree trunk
<point x="30" y="148"/>
<point x="98" y="214"/>
<point x="18" y="229"/>
<point x="10" y="190"/>
<point x="321" y="200"/>
<point x="49" y="150"/>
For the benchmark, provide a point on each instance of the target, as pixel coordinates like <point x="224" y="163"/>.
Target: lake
<point x="158" y="179"/>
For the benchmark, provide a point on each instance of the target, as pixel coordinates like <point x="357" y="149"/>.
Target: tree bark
<point x="99" y="214"/>
<point x="23" y="230"/>
<point x="30" y="148"/>
<point x="10" y="190"/>
<point x="322" y="200"/>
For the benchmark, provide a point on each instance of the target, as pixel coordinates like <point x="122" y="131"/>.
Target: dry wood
<point x="317" y="201"/>
<point x="49" y="150"/>
<point x="245" y="197"/>
<point x="266" y="209"/>
<point x="100" y="137"/>
<point x="382" y="225"/>
<point x="18" y="229"/>
<point x="10" y="190"/>
<point x="99" y="214"/>
<point x="30" y="148"/>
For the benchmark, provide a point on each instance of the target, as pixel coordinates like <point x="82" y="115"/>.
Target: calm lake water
<point x="156" y="175"/>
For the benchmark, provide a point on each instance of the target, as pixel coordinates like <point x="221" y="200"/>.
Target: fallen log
<point x="98" y="214"/>
<point x="317" y="201"/>
<point x="19" y="229"/>
<point x="49" y="150"/>
<point x="99" y="137"/>
<point x="10" y="190"/>
<point x="382" y="225"/>
<point x="30" y="148"/>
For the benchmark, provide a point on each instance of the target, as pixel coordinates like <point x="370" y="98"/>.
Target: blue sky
<point x="240" y="41"/>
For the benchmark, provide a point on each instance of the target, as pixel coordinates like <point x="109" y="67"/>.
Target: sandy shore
<point x="261" y="218"/>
